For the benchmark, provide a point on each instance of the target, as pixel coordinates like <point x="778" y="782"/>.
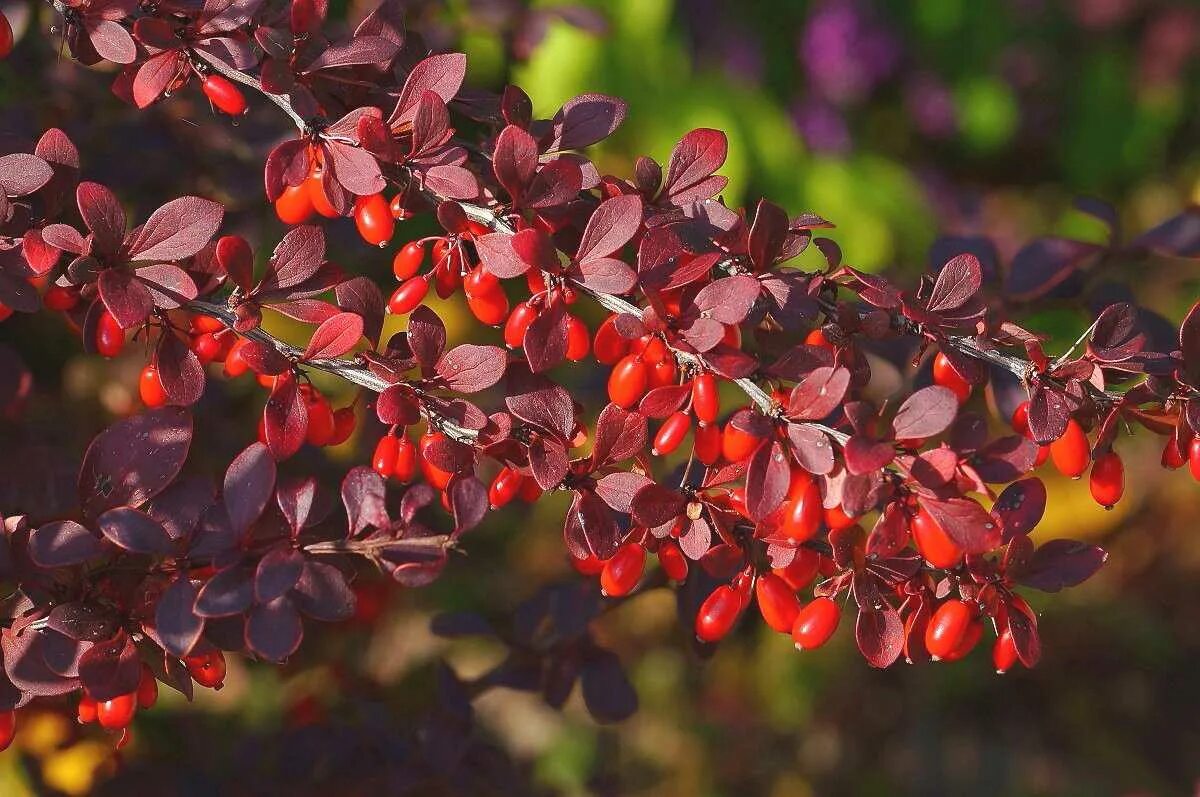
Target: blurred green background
<point x="899" y="120"/>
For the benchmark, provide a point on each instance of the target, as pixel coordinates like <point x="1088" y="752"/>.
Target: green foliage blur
<point x="899" y="120"/>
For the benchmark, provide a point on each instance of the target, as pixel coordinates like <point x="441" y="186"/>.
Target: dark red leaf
<point x="175" y="619"/>
<point x="63" y="543"/>
<point x="880" y="635"/>
<point x="273" y="630"/>
<point x="135" y="531"/>
<point x="134" y="459"/>
<point x="249" y="483"/>
<point x="178" y="229"/>
<point x="335" y="337"/>
<point x="285" y="417"/>
<point x="925" y="413"/>
<point x="469" y="368"/>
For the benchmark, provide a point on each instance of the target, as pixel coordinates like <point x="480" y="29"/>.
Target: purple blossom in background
<point x="846" y="51"/>
<point x="931" y="106"/>
<point x="822" y="126"/>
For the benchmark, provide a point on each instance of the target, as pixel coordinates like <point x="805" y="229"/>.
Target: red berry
<point x="208" y="669"/>
<point x="343" y="426"/>
<point x="671" y="433"/>
<point x="1173" y="457"/>
<point x="87" y="710"/>
<point x="406" y="460"/>
<point x="623" y="571"/>
<point x="117" y="713"/>
<point x="384" y="458"/>
<point x="579" y="340"/>
<point x="505" y="487"/>
<point x="110" y="337"/>
<point x="777" y="602"/>
<point x="374" y="219"/>
<point x="947" y="627"/>
<point x="588" y="566"/>
<point x="150" y="388"/>
<point x="223" y="94"/>
<point x="408" y="260"/>
<point x="800" y="572"/>
<point x="817" y="338"/>
<point x="662" y="373"/>
<point x="399" y="211"/>
<point x="719" y="613"/>
<point x="1020" y="418"/>
<point x="435" y="476"/>
<point x="235" y="364"/>
<point x="733" y="336"/>
<point x="969" y="640"/>
<point x="294" y="205"/>
<point x="485" y="298"/>
<point x="1108" y="479"/>
<point x="147" y="691"/>
<point x="933" y="543"/>
<point x="60" y="299"/>
<point x="815" y="623"/>
<point x="608" y="345"/>
<point x="1004" y="652"/>
<point x="6" y="36"/>
<point x="707" y="443"/>
<point x="408" y="296"/>
<point x="652" y="348"/>
<point x="8" y="719"/>
<point x="519" y="320"/>
<point x="736" y="444"/>
<point x="317" y="196"/>
<point x="803" y="512"/>
<point x="836" y="518"/>
<point x="1071" y="453"/>
<point x="706" y="400"/>
<point x="945" y="375"/>
<point x="672" y="561"/>
<point x="1194" y="458"/>
<point x="627" y="382"/>
<point x="207" y="347"/>
<point x="320" y="420"/>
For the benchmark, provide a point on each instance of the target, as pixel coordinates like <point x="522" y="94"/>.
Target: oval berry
<point x="672" y="561"/>
<point x="110" y="337"/>
<point x="945" y="375"/>
<point x="777" y="602"/>
<point x="518" y="322"/>
<point x="208" y="669"/>
<point x="408" y="260"/>
<point x="736" y="444"/>
<point x="933" y="543"/>
<point x="60" y="299"/>
<point x="408" y="296"/>
<point x="718" y="614"/>
<point x="117" y="713"/>
<point x="223" y="94"/>
<point x="374" y="219"/>
<point x="815" y="623"/>
<point x="627" y="382"/>
<point x="406" y="461"/>
<point x="294" y="205"/>
<point x="946" y="628"/>
<point x="8" y="719"/>
<point x="1194" y="458"/>
<point x="87" y="710"/>
<point x="579" y="341"/>
<point x="1107" y="481"/>
<point x="235" y="365"/>
<point x="6" y="36"/>
<point x="320" y="420"/>
<point x="671" y="433"/>
<point x="707" y="443"/>
<point x="1173" y="457"/>
<point x="1004" y="652"/>
<point x="1071" y="453"/>
<point x="623" y="571"/>
<point x="318" y="197"/>
<point x="801" y="571"/>
<point x="384" y="458"/>
<point x="706" y="400"/>
<point x="150" y="388"/>
<point x="608" y="344"/>
<point x="147" y="691"/>
<point x="505" y="487"/>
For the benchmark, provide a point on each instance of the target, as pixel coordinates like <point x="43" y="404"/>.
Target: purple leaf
<point x="322" y="593"/>
<point x="586" y="119"/>
<point x="178" y="229"/>
<point x="767" y="478"/>
<point x="175" y="619"/>
<point x="363" y="496"/>
<point x="361" y="296"/>
<point x="880" y="635"/>
<point x="229" y="592"/>
<point x="126" y="299"/>
<point x="273" y="630"/>
<point x="729" y="299"/>
<point x="63" y="543"/>
<point x="110" y="668"/>
<point x="926" y="413"/>
<point x="135" y="531"/>
<point x="1062" y="563"/>
<point x="441" y="74"/>
<point x="965" y="522"/>
<point x="179" y="370"/>
<point x="249" y="483"/>
<point x="864" y="455"/>
<point x="957" y="282"/>
<point x="1020" y="507"/>
<point x="546" y="338"/>
<point x="700" y="153"/>
<point x="296" y="258"/>
<point x="590" y="529"/>
<point x="819" y="393"/>
<point x="1044" y="264"/>
<point x="102" y="214"/>
<point x="134" y="459"/>
<point x="335" y="337"/>
<point x="285" y="418"/>
<point x="612" y="225"/>
<point x="278" y="571"/>
<point x="22" y="174"/>
<point x="470" y="368"/>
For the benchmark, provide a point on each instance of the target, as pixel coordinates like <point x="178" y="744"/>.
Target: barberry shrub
<point x="745" y="454"/>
